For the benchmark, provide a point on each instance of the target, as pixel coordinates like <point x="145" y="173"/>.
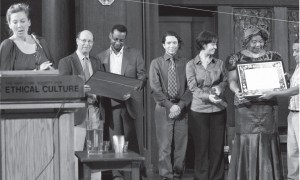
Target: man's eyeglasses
<point x="86" y="41"/>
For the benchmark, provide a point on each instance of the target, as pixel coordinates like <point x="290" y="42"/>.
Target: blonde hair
<point x="19" y="7"/>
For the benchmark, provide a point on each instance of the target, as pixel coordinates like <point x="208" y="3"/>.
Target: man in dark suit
<point x="125" y="117"/>
<point x="82" y="63"/>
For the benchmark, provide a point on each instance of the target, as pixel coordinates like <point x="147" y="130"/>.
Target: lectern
<point x="36" y="128"/>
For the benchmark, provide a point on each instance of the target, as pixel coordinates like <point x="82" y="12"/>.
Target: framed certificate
<point x="112" y="85"/>
<point x="258" y="77"/>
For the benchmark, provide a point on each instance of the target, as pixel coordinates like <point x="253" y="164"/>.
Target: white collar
<point x="80" y="55"/>
<point x="119" y="53"/>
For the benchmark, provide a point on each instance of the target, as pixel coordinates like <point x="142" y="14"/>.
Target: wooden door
<point x="187" y="28"/>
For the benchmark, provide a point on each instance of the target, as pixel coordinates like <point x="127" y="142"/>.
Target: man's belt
<point x="174" y="100"/>
<point x="294" y="110"/>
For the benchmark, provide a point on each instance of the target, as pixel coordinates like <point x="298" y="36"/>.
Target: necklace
<point x="25" y="45"/>
<point x="253" y="55"/>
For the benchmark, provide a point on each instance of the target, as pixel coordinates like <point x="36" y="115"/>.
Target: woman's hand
<point x="287" y="76"/>
<point x="239" y="95"/>
<point x="45" y="66"/>
<point x="214" y="98"/>
<point x="216" y="90"/>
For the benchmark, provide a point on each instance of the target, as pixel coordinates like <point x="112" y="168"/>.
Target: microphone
<point x="36" y="40"/>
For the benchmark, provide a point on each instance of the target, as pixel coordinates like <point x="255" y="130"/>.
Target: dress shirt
<point x="294" y="101"/>
<point x="116" y="61"/>
<point x="201" y="81"/>
<point x="81" y="58"/>
<point x="159" y="81"/>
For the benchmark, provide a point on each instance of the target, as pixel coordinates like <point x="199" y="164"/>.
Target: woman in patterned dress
<point x="255" y="151"/>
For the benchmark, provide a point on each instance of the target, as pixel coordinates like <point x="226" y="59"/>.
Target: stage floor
<point x="188" y="175"/>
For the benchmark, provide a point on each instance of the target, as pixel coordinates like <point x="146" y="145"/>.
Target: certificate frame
<point x="258" y="77"/>
<point x="112" y="85"/>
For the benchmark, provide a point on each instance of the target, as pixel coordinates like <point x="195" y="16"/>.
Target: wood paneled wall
<point x="29" y="150"/>
<point x="99" y="19"/>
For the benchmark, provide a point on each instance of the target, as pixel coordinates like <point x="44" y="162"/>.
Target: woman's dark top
<point x="12" y="58"/>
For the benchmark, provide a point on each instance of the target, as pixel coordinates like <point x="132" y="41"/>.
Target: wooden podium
<point x="37" y="137"/>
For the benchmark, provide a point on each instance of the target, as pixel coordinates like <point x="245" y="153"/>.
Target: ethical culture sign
<point x="41" y="87"/>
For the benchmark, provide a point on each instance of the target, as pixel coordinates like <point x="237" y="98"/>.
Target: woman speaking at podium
<point x="23" y="51"/>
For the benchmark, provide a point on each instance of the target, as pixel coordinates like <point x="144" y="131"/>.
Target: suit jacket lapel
<point x="106" y="61"/>
<point x="125" y="60"/>
<point x="94" y="64"/>
<point x="77" y="64"/>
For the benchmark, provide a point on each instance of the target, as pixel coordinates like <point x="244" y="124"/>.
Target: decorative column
<point x="151" y="51"/>
<point x="226" y="47"/>
<point x="58" y="27"/>
<point x="2" y="19"/>
<point x="293" y="34"/>
<point x="280" y="36"/>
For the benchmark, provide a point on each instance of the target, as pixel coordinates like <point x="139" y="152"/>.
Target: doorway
<point x="188" y="24"/>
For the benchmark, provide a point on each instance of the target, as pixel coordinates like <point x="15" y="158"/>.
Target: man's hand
<point x="126" y="96"/>
<point x="174" y="108"/>
<point x="87" y="89"/>
<point x="174" y="115"/>
<point x="91" y="98"/>
<point x="267" y="95"/>
<point x="174" y="111"/>
<point x="140" y="86"/>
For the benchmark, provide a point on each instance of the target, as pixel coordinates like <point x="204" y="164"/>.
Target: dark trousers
<point x="208" y="130"/>
<point x="121" y="123"/>
<point x="168" y="130"/>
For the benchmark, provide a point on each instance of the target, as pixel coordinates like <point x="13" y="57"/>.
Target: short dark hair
<point x="172" y="33"/>
<point x="205" y="37"/>
<point x="15" y="8"/>
<point x="120" y="28"/>
<point x="296" y="40"/>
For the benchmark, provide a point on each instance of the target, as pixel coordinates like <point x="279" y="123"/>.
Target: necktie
<point x="86" y="68"/>
<point x="172" y="85"/>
